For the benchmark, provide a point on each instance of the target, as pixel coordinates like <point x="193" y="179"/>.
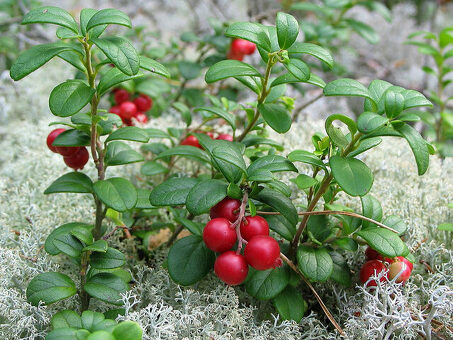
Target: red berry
<point x="231" y="268"/>
<point x="262" y="252"/>
<point x="77" y="160"/>
<point x="210" y="134"/>
<point x="370" y="268"/>
<point x="192" y="141"/>
<point x="227" y="208"/>
<point x="141" y="117"/>
<point x="115" y="109"/>
<point x="128" y="110"/>
<point x="143" y="103"/>
<point x="242" y="46"/>
<point x="51" y="137"/>
<point x="235" y="55"/>
<point x="225" y="136"/>
<point x="218" y="235"/>
<point x="121" y="96"/>
<point x="256" y="225"/>
<point x="371" y="254"/>
<point x="399" y="270"/>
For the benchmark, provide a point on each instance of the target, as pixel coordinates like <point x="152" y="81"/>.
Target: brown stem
<point x="315" y="293"/>
<point x="237" y="224"/>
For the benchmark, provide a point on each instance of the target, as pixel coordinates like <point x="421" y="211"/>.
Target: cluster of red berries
<point x="193" y="141"/>
<point x="74" y="156"/>
<point x="131" y="110"/>
<point x="239" y="48"/>
<point x="221" y="233"/>
<point x="399" y="268"/>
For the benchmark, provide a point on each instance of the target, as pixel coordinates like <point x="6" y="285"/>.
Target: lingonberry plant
<point x="439" y="120"/>
<point x="241" y="190"/>
<point x="101" y="274"/>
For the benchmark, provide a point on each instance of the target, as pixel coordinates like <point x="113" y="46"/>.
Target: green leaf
<point x="253" y="83"/>
<point x="49" y="288"/>
<point x="151" y="168"/>
<point x="173" y="191"/>
<point x="117" y="193"/>
<point x="143" y="199"/>
<point x="66" y="33"/>
<point x="352" y="175"/>
<point x="95" y="321"/>
<point x="365" y="31"/>
<point x="394" y="103"/>
<point x="384" y="241"/>
<point x="371" y="208"/>
<point x="66" y="319"/>
<point x="346" y="87"/>
<point x="110" y="259"/>
<point x="280" y="203"/>
<point x="287" y="30"/>
<point x="106" y="287"/>
<point x="189" y="70"/>
<point x="68" y="334"/>
<point x="306" y="157"/>
<point x="85" y="16"/>
<point x="153" y="66"/>
<point x="189" y="260"/>
<point x="377" y="89"/>
<point x="229" y="68"/>
<point x="70" y="97"/>
<point x="83" y="234"/>
<point x="370" y="121"/>
<point x="251" y="32"/>
<point x="312" y="49"/>
<point x="101" y="335"/>
<point x="114" y="77"/>
<point x="127" y="330"/>
<point x="281" y="226"/>
<point x="314" y="263"/>
<point x="120" y="52"/>
<point x="64" y="229"/>
<point x="108" y="16"/>
<point x="186" y="151"/>
<point x="347" y="243"/>
<point x="72" y="58"/>
<point x="33" y="58"/>
<point x="205" y="195"/>
<point x="228" y="117"/>
<point x="227" y="158"/>
<point x="68" y="244"/>
<point x="72" y="182"/>
<point x="341" y="272"/>
<point x="396" y="223"/>
<point x="418" y="146"/>
<point x="267" y="284"/>
<point x="119" y="153"/>
<point x="298" y="69"/>
<point x="276" y="116"/>
<point x="290" y="304"/>
<point x="132" y="133"/>
<point x="195" y="228"/>
<point x="335" y="134"/>
<point x="304" y="181"/>
<point x="72" y="137"/>
<point x="50" y="15"/>
<point x="99" y="246"/>
<point x="365" y="145"/>
<point x="272" y="163"/>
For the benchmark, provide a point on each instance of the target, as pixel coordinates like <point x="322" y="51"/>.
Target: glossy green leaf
<point x="365" y="145"/>
<point x="70" y="97"/>
<point x="76" y="182"/>
<point x="99" y="246"/>
<point x="287" y="30"/>
<point x="365" y="31"/>
<point x="189" y="260"/>
<point x="95" y="321"/>
<point x="195" y="228"/>
<point x="276" y="116"/>
<point x="281" y="226"/>
<point x="346" y="87"/>
<point x="173" y="191"/>
<point x="83" y="234"/>
<point x="370" y="121"/>
<point x="108" y="16"/>
<point x="394" y="103"/>
<point x="119" y="153"/>
<point x="101" y="335"/>
<point x="111" y="259"/>
<point x="64" y="229"/>
<point x="273" y="163"/>
<point x="85" y="16"/>
<point x="371" y="208"/>
<point x="352" y="175"/>
<point x="116" y="193"/>
<point x="205" y="195"/>
<point x="267" y="284"/>
<point x="384" y="241"/>
<point x="341" y="272"/>
<point x="290" y="304"/>
<point x="186" y="151"/>
<point x="68" y="244"/>
<point x="304" y="181"/>
<point x="314" y="50"/>
<point x="68" y="334"/>
<point x="153" y="66"/>
<point x="249" y="31"/>
<point x="396" y="223"/>
<point x="228" y="117"/>
<point x="229" y="68"/>
<point x="66" y="319"/>
<point x="50" y="287"/>
<point x="50" y="15"/>
<point x="298" y="69"/>
<point x="418" y="146"/>
<point x="112" y="78"/>
<point x="120" y="52"/>
<point x="127" y="330"/>
<point x="278" y="202"/>
<point x="306" y="157"/>
<point x="106" y="287"/>
<point x="152" y="168"/>
<point x="131" y="133"/>
<point x="72" y="137"/>
<point x="315" y="263"/>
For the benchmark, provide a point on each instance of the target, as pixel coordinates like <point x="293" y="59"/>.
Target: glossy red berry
<point x="262" y="252"/>
<point x="235" y="55"/>
<point x="400" y="269"/>
<point x="115" y="109"/>
<point x="51" y="137"/>
<point x="227" y="208"/>
<point x="371" y="254"/>
<point x="121" y="96"/>
<point x="254" y="226"/>
<point x="218" y="235"/>
<point x="128" y="110"/>
<point x="370" y="268"/>
<point x="143" y="103"/>
<point x="242" y="46"/>
<point x="210" y="134"/>
<point x="192" y="141"/>
<point x="77" y="160"/>
<point x="225" y="136"/>
<point x="141" y="117"/>
<point x="231" y="268"/>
